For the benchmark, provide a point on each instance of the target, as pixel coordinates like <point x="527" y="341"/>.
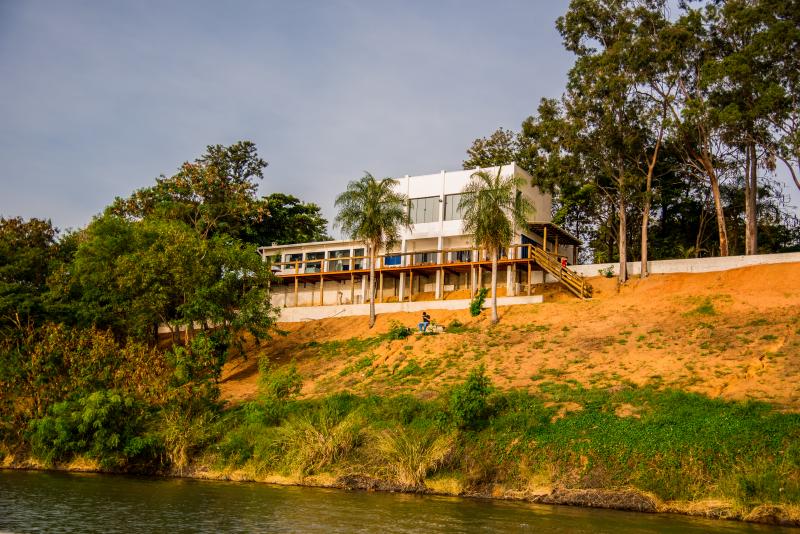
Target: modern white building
<point x="434" y="260"/>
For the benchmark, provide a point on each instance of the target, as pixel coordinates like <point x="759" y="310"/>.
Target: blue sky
<point x="99" y="98"/>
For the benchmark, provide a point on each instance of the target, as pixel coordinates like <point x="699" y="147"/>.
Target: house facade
<point x="434" y="259"/>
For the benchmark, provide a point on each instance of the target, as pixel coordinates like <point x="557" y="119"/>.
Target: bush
<point x="102" y="425"/>
<point x="184" y="433"/>
<point x="311" y="442"/>
<point x="477" y="302"/>
<point x="608" y="272"/>
<point x="468" y="400"/>
<point x="398" y="331"/>
<point x="282" y="383"/>
<point x="456" y="327"/>
<point x="411" y="455"/>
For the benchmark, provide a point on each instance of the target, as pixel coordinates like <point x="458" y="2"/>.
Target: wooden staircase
<point x="569" y="278"/>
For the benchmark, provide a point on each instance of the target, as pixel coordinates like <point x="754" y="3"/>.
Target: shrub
<point x="281" y="383"/>
<point x="456" y="327"/>
<point x="398" y="331"/>
<point x="101" y="425"/>
<point x="468" y="400"/>
<point x="313" y="441"/>
<point x="411" y="455"/>
<point x="183" y="433"/>
<point x="477" y="302"/>
<point x="608" y="272"/>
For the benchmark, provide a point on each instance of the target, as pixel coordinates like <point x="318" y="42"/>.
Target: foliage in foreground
<point x="675" y="445"/>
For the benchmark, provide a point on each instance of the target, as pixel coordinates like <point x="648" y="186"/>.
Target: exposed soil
<point x="732" y="334"/>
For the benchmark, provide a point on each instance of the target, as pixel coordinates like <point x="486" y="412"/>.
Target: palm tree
<point x="492" y="208"/>
<point x="372" y="211"/>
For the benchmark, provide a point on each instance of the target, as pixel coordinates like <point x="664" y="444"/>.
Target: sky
<point x="99" y="98"/>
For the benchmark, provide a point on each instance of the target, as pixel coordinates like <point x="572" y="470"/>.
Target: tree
<point x="492" y="208"/>
<point x="372" y="211"/>
<point x="500" y="148"/>
<point x="215" y="194"/>
<point x="132" y="276"/>
<point x="29" y="253"/>
<point x="288" y="220"/>
<point x="602" y="98"/>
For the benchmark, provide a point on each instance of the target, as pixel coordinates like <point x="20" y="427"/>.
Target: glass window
<point x="293" y="257"/>
<point x="422" y="210"/>
<point x="359" y="263"/>
<point x="314" y="267"/>
<point x="451" y="211"/>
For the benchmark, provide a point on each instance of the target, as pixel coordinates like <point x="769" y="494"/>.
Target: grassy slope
<point x="649" y="397"/>
<point x="733" y="335"/>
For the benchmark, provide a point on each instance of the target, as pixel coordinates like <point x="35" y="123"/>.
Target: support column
<point x="574" y="254"/>
<point x="321" y="290"/>
<point x="410" y="285"/>
<point x="530" y="278"/>
<point x="401" y="290"/>
<point x="380" y="287"/>
<point x="364" y="289"/>
<point x="296" y="292"/>
<point x="544" y="239"/>
<point x="437" y="294"/>
<point x="471" y="281"/>
<point x="509" y="282"/>
<point x="441" y="278"/>
<point x="352" y="288"/>
<point x="557" y="244"/>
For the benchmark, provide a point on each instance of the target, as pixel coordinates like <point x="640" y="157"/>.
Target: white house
<point x="434" y="260"/>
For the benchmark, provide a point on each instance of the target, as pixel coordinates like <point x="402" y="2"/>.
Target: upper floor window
<point x="451" y="211"/>
<point x="422" y="210"/>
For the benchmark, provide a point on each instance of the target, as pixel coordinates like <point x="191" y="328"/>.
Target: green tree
<point x="289" y="220"/>
<point x="493" y="208"/>
<point x="500" y="148"/>
<point x="603" y="102"/>
<point x="215" y="194"/>
<point x="372" y="211"/>
<point x="31" y="253"/>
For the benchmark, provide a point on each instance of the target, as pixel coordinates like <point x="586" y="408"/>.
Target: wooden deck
<point x="527" y="257"/>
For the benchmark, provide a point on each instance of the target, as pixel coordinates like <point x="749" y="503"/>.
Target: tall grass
<point x="410" y="455"/>
<point x="311" y="442"/>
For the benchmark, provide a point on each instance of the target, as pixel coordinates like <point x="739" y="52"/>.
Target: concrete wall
<point x="693" y="265"/>
<point x="294" y="315"/>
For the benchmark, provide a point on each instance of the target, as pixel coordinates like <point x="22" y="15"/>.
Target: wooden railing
<point x="569" y="278"/>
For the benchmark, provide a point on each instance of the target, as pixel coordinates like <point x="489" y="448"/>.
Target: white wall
<point x="693" y="265"/>
<point x="293" y="315"/>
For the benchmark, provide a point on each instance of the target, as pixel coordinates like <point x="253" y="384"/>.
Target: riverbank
<point x="638" y="449"/>
<point x="623" y="500"/>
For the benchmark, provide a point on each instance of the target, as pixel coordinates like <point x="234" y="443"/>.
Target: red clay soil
<point x="732" y="334"/>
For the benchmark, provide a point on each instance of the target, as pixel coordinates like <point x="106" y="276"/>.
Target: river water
<point x="63" y="502"/>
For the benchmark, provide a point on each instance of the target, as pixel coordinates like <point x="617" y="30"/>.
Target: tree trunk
<point x="750" y="198"/>
<point x="705" y="161"/>
<point x="495" y="317"/>
<point x="623" y="241"/>
<point x="371" y="286"/>
<point x="647" y="196"/>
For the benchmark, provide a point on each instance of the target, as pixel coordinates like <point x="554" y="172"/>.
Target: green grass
<point x="681" y="446"/>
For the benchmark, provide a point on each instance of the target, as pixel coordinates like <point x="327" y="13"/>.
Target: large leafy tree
<point x="30" y="252"/>
<point x="500" y="148"/>
<point x="289" y="220"/>
<point x="603" y="102"/>
<point x="372" y="211"/>
<point x="492" y="209"/>
<point x="214" y="194"/>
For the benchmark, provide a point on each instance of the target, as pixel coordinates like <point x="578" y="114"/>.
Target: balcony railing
<point x="399" y="260"/>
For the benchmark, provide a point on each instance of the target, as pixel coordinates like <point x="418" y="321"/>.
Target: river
<point x="66" y="502"/>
